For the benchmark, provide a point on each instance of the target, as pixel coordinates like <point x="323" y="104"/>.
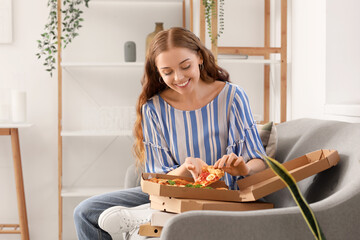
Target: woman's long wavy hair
<point x="163" y="41"/>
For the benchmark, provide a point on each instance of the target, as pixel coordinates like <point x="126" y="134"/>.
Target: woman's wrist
<point x="255" y="165"/>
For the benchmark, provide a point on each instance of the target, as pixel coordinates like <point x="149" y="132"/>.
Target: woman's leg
<point x="86" y="214"/>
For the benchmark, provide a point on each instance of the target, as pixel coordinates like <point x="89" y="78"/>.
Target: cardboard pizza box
<point x="265" y="182"/>
<point x="183" y="192"/>
<point x="177" y="205"/>
<point x="252" y="187"/>
<point x="150" y="231"/>
<point x="160" y="218"/>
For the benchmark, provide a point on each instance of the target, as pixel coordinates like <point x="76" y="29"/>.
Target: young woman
<point x="188" y="115"/>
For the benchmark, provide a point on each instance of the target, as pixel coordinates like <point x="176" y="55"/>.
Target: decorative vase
<point x="159" y="26"/>
<point x="130" y="51"/>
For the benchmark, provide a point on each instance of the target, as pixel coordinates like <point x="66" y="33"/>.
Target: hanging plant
<point x="71" y="23"/>
<point x="210" y="10"/>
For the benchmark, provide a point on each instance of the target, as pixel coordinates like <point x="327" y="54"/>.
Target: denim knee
<point x="82" y="211"/>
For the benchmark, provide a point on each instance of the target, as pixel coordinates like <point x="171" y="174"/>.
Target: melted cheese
<point x="210" y="177"/>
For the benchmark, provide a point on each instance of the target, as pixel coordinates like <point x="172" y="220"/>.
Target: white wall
<point x="19" y="69"/>
<point x="309" y="57"/>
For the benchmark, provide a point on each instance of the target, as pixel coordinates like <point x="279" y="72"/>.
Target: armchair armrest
<point x="336" y="214"/>
<point x="132" y="177"/>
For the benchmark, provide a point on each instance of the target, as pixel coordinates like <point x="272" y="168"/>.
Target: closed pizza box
<point x="178" y="205"/>
<point x="159" y="218"/>
<point x="252" y="187"/>
<point x="149" y="231"/>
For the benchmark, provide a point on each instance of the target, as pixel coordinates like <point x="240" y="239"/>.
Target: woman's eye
<point x="167" y="73"/>
<point x="186" y="67"/>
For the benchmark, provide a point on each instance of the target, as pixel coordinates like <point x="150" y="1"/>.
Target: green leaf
<point x="290" y="182"/>
<point x="171" y="182"/>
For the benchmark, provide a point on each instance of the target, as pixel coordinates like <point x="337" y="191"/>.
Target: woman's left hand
<point x="233" y="164"/>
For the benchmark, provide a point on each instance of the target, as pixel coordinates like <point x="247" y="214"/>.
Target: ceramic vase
<point x="159" y="26"/>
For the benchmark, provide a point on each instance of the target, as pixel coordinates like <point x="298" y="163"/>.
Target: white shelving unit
<point x="86" y="192"/>
<point x="68" y="65"/>
<point x="252" y="61"/>
<point x="97" y="133"/>
<point x="94" y="80"/>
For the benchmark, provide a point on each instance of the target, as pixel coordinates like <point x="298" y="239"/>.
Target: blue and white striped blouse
<point x="223" y="126"/>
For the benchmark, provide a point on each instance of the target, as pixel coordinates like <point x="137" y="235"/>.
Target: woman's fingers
<point x="190" y="167"/>
<point x="238" y="161"/>
<point x="232" y="157"/>
<point x="221" y="162"/>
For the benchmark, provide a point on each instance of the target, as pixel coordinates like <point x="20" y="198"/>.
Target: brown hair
<point x="163" y="41"/>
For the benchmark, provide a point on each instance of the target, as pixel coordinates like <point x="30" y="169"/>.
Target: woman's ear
<point x="200" y="57"/>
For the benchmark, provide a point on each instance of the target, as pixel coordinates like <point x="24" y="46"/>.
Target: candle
<point x="4" y="112"/>
<point x="18" y="106"/>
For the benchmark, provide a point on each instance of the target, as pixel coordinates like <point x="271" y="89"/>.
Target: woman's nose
<point x="178" y="75"/>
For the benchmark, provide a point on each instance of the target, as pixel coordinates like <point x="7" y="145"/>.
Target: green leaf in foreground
<point x="290" y="182"/>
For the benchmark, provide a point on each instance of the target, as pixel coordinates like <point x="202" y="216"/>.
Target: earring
<point x="160" y="80"/>
<point x="201" y="66"/>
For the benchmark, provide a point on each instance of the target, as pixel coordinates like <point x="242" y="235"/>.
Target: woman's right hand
<point x="194" y="166"/>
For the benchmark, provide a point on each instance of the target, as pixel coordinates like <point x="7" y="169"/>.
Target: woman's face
<point x="179" y="68"/>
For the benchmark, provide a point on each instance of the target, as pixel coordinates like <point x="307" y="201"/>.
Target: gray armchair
<point x="334" y="194"/>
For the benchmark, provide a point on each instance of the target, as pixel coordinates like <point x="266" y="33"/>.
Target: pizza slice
<point x="209" y="175"/>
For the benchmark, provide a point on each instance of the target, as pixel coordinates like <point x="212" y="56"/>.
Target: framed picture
<point x="5" y="21"/>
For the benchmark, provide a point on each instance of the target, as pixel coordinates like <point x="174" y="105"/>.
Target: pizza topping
<point x="209" y="175"/>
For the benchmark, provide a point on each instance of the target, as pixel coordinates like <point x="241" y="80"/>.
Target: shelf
<point x="101" y="64"/>
<point x="87" y="192"/>
<point x="14" y="125"/>
<point x="96" y="133"/>
<point x="136" y="1"/>
<point x="233" y="59"/>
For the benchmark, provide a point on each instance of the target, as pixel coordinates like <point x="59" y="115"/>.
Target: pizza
<point x="209" y="175"/>
<point x="171" y="182"/>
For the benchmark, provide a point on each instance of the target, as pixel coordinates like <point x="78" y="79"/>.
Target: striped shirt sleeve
<point x="158" y="158"/>
<point x="244" y="138"/>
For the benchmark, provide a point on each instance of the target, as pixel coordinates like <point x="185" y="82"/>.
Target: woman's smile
<point x="184" y="84"/>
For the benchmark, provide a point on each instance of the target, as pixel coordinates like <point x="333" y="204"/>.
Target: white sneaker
<point x="120" y="219"/>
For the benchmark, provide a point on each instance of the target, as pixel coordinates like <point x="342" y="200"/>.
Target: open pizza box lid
<point x="252" y="187"/>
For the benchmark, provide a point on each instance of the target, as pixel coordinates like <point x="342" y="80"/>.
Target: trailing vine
<point x="71" y="24"/>
<point x="210" y="10"/>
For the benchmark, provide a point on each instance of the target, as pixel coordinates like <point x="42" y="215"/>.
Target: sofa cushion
<point x="268" y="135"/>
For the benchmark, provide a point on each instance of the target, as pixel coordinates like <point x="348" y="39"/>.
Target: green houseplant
<point x="71" y="23"/>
